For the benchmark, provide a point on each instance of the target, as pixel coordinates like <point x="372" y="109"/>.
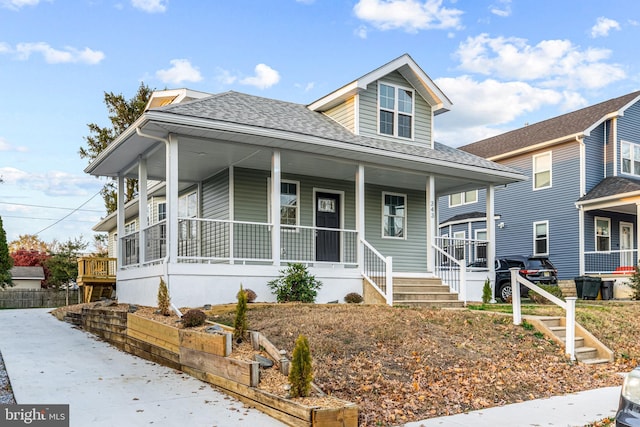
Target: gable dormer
<point x="396" y="101"/>
<point x="160" y="98"/>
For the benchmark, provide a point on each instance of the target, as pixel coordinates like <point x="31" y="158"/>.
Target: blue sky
<point x="502" y="63"/>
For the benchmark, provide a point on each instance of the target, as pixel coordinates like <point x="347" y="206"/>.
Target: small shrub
<point x="486" y="291"/>
<point x="634" y="283"/>
<point x="240" y="323"/>
<point x="251" y="295"/>
<point x="295" y="284"/>
<point x="193" y="318"/>
<point x="301" y="372"/>
<point x="527" y="326"/>
<point x="353" y="298"/>
<point x="164" y="302"/>
<point x="539" y="299"/>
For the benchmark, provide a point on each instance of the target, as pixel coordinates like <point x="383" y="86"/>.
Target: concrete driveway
<point x="51" y="362"/>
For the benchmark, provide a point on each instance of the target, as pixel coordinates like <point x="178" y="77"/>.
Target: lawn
<point x="406" y="364"/>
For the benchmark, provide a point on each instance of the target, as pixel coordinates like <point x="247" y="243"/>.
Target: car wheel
<point x="505" y="292"/>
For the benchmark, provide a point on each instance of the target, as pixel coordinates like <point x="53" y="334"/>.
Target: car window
<point x="540" y="263"/>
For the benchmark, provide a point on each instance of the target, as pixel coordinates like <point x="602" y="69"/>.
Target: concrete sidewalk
<point x="51" y="362"/>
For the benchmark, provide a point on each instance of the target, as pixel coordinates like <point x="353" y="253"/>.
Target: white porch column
<point x="637" y="245"/>
<point x="491" y="239"/>
<point x="275" y="207"/>
<point x="120" y="220"/>
<point x="172" y="198"/>
<point x="231" y="212"/>
<point x="360" y="227"/>
<point x="580" y="241"/>
<point x="142" y="208"/>
<point x="431" y="222"/>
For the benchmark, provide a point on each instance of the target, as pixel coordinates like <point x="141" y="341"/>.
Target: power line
<point x="36" y="218"/>
<point x="51" y="207"/>
<point x="69" y="214"/>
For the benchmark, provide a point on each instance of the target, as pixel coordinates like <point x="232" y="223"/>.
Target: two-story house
<point x="243" y="185"/>
<point x="581" y="202"/>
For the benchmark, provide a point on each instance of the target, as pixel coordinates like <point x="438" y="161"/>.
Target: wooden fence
<point x="36" y="298"/>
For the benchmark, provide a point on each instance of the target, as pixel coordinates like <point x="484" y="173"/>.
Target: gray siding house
<point x="581" y="202"/>
<point x="236" y="186"/>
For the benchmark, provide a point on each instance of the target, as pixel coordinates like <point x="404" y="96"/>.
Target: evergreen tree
<point x="6" y="262"/>
<point x="122" y="113"/>
<point x="301" y="372"/>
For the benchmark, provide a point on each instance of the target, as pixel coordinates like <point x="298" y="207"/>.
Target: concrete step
<point x="594" y="361"/>
<point x="586" y="353"/>
<point x="559" y="331"/>
<point x="420" y="288"/>
<point x="577" y="342"/>
<point x="430" y="303"/>
<point x="417" y="281"/>
<point x="412" y="296"/>
<point x="551" y="321"/>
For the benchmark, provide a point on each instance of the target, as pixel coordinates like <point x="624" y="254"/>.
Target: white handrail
<point x="569" y="306"/>
<point x="388" y="262"/>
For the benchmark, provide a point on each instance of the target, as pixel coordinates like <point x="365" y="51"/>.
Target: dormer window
<point x="396" y="105"/>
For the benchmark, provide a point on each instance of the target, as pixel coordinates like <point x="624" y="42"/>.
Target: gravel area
<point x="6" y="394"/>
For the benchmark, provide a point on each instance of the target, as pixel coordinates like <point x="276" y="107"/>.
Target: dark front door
<point x="327" y="216"/>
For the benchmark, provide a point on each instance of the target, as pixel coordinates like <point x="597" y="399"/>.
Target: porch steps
<point x="588" y="349"/>
<point x="423" y="292"/>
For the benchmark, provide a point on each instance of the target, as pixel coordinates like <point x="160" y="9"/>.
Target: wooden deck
<point x="96" y="277"/>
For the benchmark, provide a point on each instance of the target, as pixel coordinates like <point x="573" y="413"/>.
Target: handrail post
<point x="571" y="327"/>
<point x="515" y="296"/>
<point x="389" y="279"/>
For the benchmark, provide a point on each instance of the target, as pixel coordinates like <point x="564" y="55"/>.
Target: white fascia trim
<point x="330" y="100"/>
<point x="609" y="116"/>
<point x="603" y="202"/>
<point x="568" y="138"/>
<point x="468" y="220"/>
<point x="313" y="140"/>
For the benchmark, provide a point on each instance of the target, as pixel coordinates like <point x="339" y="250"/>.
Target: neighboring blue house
<point x="236" y="186"/>
<point x="582" y="200"/>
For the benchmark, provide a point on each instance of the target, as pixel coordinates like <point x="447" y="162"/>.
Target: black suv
<point x="536" y="269"/>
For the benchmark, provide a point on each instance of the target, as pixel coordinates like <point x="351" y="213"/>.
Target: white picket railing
<point x="377" y="270"/>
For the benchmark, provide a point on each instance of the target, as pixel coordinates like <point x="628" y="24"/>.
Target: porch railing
<point x="453" y="257"/>
<point x="377" y="270"/>
<point x="607" y="262"/>
<point x="224" y="241"/>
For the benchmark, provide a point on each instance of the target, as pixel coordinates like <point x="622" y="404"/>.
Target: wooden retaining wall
<point x="204" y="356"/>
<point x="36" y="298"/>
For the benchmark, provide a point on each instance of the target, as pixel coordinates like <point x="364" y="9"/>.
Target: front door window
<point x="327" y="216"/>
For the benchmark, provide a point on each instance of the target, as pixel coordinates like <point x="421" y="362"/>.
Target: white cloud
<point x="225" y="77"/>
<point x="409" y="15"/>
<point x="18" y="4"/>
<point x="502" y="103"/>
<point x="603" y="26"/>
<point x="181" y="71"/>
<point x="150" y="6"/>
<point x="305" y="87"/>
<point x="361" y="32"/>
<point x="264" y="78"/>
<point x="5" y="146"/>
<point x="553" y="63"/>
<point x="23" y="52"/>
<point x="51" y="183"/>
<point x="503" y="9"/>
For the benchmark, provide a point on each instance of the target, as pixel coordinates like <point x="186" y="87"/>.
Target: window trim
<point x="269" y="201"/>
<point x="404" y="217"/>
<point x="534" y="159"/>
<point x="463" y="198"/>
<point x="188" y="233"/>
<point x="546" y="238"/>
<point x="396" y="112"/>
<point x="632" y="159"/>
<point x="596" y="235"/>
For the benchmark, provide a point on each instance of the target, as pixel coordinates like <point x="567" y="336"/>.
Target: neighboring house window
<point x="188" y="208"/>
<point x="162" y="211"/>
<point x="464" y="198"/>
<point x="289" y="197"/>
<point x="541" y="238"/>
<point x="394" y="215"/>
<point x="396" y="111"/>
<point x="542" y="171"/>
<point x="129" y="228"/>
<point x="603" y="234"/>
<point x="630" y="154"/>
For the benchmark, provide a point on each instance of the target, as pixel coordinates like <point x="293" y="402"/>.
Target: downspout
<point x="165" y="261"/>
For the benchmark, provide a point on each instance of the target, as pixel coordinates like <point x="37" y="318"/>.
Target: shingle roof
<point x="27" y="273"/>
<point x="548" y="130"/>
<point x="244" y="109"/>
<point x="465" y="216"/>
<point x="611" y="186"/>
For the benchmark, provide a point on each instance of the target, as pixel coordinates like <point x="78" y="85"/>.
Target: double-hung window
<point x="630" y="154"/>
<point x="289" y="196"/>
<point x="541" y="238"/>
<point x="187" y="209"/>
<point x="396" y="110"/>
<point x="464" y="198"/>
<point x="394" y="215"/>
<point x="542" y="171"/>
<point x="603" y="234"/>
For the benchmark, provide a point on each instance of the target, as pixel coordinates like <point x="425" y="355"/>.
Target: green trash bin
<point x="579" y="281"/>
